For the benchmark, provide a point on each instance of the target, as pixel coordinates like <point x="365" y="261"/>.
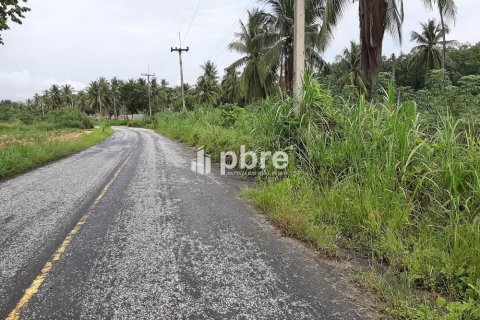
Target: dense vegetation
<point x="385" y="153"/>
<point x="376" y="178"/>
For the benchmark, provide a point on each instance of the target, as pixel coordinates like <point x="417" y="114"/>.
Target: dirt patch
<point x="4" y="143"/>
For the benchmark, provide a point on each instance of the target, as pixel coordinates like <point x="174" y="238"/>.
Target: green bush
<point x="70" y="118"/>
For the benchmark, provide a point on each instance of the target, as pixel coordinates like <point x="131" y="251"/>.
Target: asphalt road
<point x="125" y="230"/>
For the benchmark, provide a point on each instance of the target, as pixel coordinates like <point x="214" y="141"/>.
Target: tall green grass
<point x="375" y="178"/>
<point x="19" y="158"/>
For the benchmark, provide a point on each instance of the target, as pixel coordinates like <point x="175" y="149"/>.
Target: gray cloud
<point x="78" y="41"/>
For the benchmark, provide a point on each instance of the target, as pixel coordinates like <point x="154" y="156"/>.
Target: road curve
<point x="155" y="241"/>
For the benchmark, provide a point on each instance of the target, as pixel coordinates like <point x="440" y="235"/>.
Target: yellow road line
<point x="40" y="279"/>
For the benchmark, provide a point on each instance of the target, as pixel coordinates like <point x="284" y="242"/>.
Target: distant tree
<point x="56" y="98"/>
<point x="209" y="70"/>
<point x="98" y="92"/>
<point x="67" y="95"/>
<point x="82" y="101"/>
<point x="259" y="71"/>
<point x="463" y="60"/>
<point x="437" y="80"/>
<point x="428" y="54"/>
<point x="163" y="95"/>
<point x="11" y="10"/>
<point x="230" y="85"/>
<point x="207" y="87"/>
<point x="134" y="95"/>
<point x="447" y="9"/>
<point x="115" y="94"/>
<point x="375" y="18"/>
<point x="350" y="63"/>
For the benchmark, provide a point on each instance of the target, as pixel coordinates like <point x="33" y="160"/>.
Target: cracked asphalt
<point x="163" y="243"/>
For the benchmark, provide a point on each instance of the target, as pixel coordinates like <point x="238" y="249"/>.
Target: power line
<point x="230" y="29"/>
<point x="193" y="19"/>
<point x="219" y="51"/>
<point x="199" y="30"/>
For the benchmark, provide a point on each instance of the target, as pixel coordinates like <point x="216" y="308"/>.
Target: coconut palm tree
<point x="67" y="95"/>
<point x="281" y="23"/>
<point x="115" y="94"/>
<point x="350" y="62"/>
<point x="209" y="69"/>
<point x="99" y="95"/>
<point x="376" y="16"/>
<point x="208" y="90"/>
<point x="259" y="72"/>
<point x="427" y="55"/>
<point x="230" y="85"/>
<point x="82" y="100"/>
<point x="55" y="95"/>
<point x="447" y="10"/>
<point x="162" y="94"/>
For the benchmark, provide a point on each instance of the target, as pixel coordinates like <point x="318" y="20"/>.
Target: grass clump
<point x="18" y="158"/>
<point x="30" y="139"/>
<point x="381" y="179"/>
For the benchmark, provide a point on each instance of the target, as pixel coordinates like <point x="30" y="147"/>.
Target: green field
<point x="30" y="143"/>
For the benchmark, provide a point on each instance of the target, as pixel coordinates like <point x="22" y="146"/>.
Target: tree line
<point x="265" y="42"/>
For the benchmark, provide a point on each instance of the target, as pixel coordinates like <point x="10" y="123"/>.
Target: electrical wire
<point x="193" y="20"/>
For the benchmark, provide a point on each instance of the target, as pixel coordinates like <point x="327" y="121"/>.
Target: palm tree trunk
<point x="289" y="73"/>
<point x="444" y="37"/>
<point x="114" y="108"/>
<point x="280" y="81"/>
<point x="373" y="14"/>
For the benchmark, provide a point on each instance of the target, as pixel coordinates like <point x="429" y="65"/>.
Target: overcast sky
<point x="78" y="41"/>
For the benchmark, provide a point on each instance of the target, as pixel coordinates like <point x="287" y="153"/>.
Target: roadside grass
<point x="378" y="179"/>
<point x="24" y="146"/>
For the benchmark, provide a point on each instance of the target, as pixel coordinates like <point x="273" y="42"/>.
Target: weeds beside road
<point x="377" y="179"/>
<point x="26" y="143"/>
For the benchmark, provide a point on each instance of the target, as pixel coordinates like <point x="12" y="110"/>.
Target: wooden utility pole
<point x="180" y="50"/>
<point x="148" y="75"/>
<point x="298" y="53"/>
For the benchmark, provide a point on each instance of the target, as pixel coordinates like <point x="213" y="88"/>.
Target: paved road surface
<point x="125" y="230"/>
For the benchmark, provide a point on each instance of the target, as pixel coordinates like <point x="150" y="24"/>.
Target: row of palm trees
<point x="265" y="40"/>
<point x="56" y="97"/>
<point x="427" y="55"/>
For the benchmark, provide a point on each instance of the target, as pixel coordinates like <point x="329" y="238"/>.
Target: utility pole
<point x="180" y="50"/>
<point x="148" y="75"/>
<point x="298" y="53"/>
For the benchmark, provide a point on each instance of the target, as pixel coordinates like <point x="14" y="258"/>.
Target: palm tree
<point x="45" y="100"/>
<point x="99" y="94"/>
<point x="259" y="73"/>
<point x="67" y="95"/>
<point x="55" y="96"/>
<point x="428" y="54"/>
<point x="209" y="69"/>
<point x="447" y="9"/>
<point x="115" y="85"/>
<point x="350" y="62"/>
<point x="37" y="101"/>
<point x="208" y="89"/>
<point x="162" y="94"/>
<point x="82" y="100"/>
<point x="230" y="85"/>
<point x="376" y="16"/>
<point x="281" y="32"/>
